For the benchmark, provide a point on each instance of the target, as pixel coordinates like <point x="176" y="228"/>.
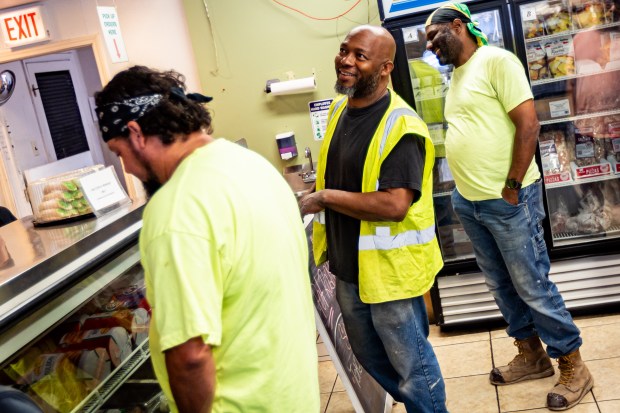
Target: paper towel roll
<point x="289" y="87"/>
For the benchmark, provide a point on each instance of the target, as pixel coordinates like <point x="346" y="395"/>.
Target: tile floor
<point x="467" y="356"/>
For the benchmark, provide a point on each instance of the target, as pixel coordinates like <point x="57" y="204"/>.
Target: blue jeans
<point x="510" y="250"/>
<point x="390" y="341"/>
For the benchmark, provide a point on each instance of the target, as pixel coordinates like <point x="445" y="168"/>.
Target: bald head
<point x="384" y="43"/>
<point x="364" y="64"/>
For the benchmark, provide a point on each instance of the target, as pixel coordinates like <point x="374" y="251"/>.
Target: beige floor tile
<point x="321" y="349"/>
<point x="399" y="408"/>
<point x="596" y="320"/>
<point x="340" y="403"/>
<point x="499" y="333"/>
<point x="339" y="386"/>
<point x="504" y="350"/>
<point x="327" y="376"/>
<point x="444" y="338"/>
<point x="580" y="408"/>
<point x="600" y="342"/>
<point x="530" y="394"/>
<point x="324" y="400"/>
<point x="606" y="378"/>
<point x="611" y="406"/>
<point x="467" y="359"/>
<point x="471" y="394"/>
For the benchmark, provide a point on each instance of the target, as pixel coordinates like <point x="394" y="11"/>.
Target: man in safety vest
<point x="374" y="217"/>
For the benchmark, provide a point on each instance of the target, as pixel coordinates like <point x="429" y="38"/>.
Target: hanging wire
<point x="317" y="18"/>
<point x="217" y="58"/>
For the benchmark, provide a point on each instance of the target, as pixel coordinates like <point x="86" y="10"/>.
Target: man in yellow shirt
<point x="490" y="144"/>
<point x="232" y="327"/>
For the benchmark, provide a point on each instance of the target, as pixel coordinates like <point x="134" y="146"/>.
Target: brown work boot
<point x="575" y="382"/>
<point x="532" y="362"/>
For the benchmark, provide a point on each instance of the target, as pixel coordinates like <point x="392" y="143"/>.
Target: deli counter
<point x="73" y="315"/>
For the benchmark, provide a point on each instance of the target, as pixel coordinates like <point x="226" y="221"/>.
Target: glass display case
<point x="78" y="340"/>
<point x="570" y="50"/>
<point x="573" y="60"/>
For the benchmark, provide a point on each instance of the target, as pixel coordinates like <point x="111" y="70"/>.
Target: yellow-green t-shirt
<point x="226" y="259"/>
<point x="480" y="135"/>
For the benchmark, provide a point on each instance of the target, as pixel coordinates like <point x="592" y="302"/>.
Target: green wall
<point x="260" y="40"/>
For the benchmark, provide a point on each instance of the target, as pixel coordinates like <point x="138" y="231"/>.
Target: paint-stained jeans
<point x="510" y="250"/>
<point x="390" y="341"/>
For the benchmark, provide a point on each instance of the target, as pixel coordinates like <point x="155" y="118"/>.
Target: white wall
<point x="154" y="31"/>
<point x="21" y="121"/>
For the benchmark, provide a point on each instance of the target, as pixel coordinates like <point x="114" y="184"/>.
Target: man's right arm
<point x="191" y="374"/>
<point x="389" y="204"/>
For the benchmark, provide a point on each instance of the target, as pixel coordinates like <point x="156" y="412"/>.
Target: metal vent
<point x="585" y="282"/>
<point x="62" y="113"/>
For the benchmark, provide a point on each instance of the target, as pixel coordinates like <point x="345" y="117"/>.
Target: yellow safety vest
<point x="397" y="260"/>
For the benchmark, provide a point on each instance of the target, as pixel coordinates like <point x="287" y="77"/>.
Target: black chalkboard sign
<point x="371" y="396"/>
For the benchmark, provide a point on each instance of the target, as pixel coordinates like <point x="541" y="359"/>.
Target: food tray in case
<point x="59" y="198"/>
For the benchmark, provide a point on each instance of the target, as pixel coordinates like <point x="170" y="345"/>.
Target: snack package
<point x="62" y="200"/>
<point x="588" y="13"/>
<point x="94" y="366"/>
<point x="584" y="147"/>
<point x="549" y="156"/>
<point x="560" y="56"/>
<point x="135" y="322"/>
<point x="611" y="9"/>
<point x="59" y="197"/>
<point x="537" y="62"/>
<point x="612" y="146"/>
<point x="53" y="379"/>
<point x="115" y="340"/>
<point x="556" y="156"/>
<point x="533" y="20"/>
<point x="556" y="17"/>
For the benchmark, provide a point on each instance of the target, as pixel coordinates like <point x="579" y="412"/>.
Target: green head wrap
<point x="447" y="13"/>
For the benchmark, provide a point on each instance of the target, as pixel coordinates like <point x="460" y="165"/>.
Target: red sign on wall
<point x="23" y="26"/>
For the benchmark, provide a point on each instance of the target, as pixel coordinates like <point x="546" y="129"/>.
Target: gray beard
<point x="364" y="87"/>
<point x="343" y="90"/>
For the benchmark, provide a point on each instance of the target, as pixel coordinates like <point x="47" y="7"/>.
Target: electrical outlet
<point x="35" y="148"/>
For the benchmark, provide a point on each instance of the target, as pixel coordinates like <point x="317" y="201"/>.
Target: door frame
<point x="66" y="61"/>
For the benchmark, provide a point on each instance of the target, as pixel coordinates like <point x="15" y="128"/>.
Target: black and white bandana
<point x="113" y="117"/>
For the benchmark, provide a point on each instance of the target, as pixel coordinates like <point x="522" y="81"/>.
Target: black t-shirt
<point x="403" y="168"/>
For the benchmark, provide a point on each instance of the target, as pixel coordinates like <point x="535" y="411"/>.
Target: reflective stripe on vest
<point x="389" y="124"/>
<point x="388" y="242"/>
<point x="336" y="106"/>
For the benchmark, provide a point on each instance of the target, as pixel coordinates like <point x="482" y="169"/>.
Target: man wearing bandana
<point x="232" y="327"/>
<point x="490" y="144"/>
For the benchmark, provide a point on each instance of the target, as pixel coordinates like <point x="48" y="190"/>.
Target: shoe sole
<point x="587" y="388"/>
<point x="549" y="372"/>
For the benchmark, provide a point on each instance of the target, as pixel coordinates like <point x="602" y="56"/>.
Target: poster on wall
<point x="112" y="34"/>
<point x="318" y="117"/>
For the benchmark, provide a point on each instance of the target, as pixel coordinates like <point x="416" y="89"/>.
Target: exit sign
<point x="23" y="26"/>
